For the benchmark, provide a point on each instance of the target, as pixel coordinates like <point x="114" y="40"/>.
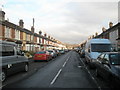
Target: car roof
<point x="102" y="41"/>
<point x="112" y="52"/>
<point x="6" y="42"/>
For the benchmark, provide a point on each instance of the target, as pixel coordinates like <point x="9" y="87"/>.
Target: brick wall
<point x="2" y="30"/>
<point x="21" y="35"/>
<point x="13" y="33"/>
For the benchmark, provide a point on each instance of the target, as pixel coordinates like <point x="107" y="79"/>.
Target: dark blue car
<point x="108" y="65"/>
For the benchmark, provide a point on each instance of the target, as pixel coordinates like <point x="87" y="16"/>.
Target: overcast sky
<point x="70" y="21"/>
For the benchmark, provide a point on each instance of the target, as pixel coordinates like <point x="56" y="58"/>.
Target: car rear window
<point x="50" y="51"/>
<point x="42" y="52"/>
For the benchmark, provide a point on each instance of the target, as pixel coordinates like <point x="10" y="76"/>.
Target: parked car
<point x="94" y="48"/>
<point x="82" y="53"/>
<point x="108" y="65"/>
<point x="12" y="60"/>
<point x="42" y="55"/>
<point x="56" y="51"/>
<point x="53" y="53"/>
<point x="62" y="51"/>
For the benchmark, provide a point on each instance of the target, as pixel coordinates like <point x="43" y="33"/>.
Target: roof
<point x="14" y="26"/>
<point x="112" y="52"/>
<point x="99" y="41"/>
<point x="109" y="30"/>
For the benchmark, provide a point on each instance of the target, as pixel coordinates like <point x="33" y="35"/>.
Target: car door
<point x="105" y="67"/>
<point x="98" y="63"/>
<point x="20" y="62"/>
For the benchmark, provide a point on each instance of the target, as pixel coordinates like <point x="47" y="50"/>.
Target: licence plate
<point x="40" y="56"/>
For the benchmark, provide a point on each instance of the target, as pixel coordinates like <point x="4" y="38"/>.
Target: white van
<point x="94" y="48"/>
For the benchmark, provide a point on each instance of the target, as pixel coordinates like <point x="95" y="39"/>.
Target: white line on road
<point x="56" y="76"/>
<point x="67" y="59"/>
<point x="64" y="64"/>
<point x="59" y="71"/>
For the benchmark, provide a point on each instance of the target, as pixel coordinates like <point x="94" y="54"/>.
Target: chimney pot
<point x="32" y="29"/>
<point x="103" y="29"/>
<point x="2" y="15"/>
<point x="110" y="24"/>
<point x="40" y="32"/>
<point x="21" y="23"/>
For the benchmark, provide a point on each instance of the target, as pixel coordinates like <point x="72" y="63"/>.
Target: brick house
<point x="24" y="38"/>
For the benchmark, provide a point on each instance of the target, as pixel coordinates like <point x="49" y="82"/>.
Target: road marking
<point x="67" y="58"/>
<point x="59" y="71"/>
<point x="64" y="64"/>
<point x="56" y="77"/>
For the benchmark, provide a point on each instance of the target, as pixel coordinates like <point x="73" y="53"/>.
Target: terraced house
<point x="24" y="38"/>
<point x="113" y="34"/>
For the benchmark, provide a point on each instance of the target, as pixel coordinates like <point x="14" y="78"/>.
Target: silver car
<point x="12" y="60"/>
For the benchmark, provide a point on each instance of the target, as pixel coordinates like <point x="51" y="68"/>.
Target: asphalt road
<point x="67" y="71"/>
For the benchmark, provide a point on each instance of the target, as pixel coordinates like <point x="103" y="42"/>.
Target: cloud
<point x="66" y="20"/>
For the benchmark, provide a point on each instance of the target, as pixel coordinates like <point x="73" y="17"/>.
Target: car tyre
<point x="2" y="76"/>
<point x="26" y="68"/>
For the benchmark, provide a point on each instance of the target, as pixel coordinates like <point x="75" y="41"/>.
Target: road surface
<point x="67" y="71"/>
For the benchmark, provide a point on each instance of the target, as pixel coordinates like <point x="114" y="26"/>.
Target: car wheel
<point x="26" y="68"/>
<point x="2" y="76"/>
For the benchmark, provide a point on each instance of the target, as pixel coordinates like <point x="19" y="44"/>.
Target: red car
<point x="42" y="55"/>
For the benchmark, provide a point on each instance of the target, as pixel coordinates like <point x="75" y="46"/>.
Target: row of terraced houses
<point x="26" y="39"/>
<point x="112" y="33"/>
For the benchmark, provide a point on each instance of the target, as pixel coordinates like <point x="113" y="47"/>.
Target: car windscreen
<point x="101" y="47"/>
<point x="50" y="51"/>
<point x="42" y="52"/>
<point x="115" y="59"/>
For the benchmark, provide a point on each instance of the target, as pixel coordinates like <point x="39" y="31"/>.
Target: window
<point x="7" y="32"/>
<point x="101" y="47"/>
<point x="42" y="52"/>
<point x="105" y="59"/>
<point x="115" y="59"/>
<point x="2" y="50"/>
<point x="9" y="50"/>
<point x="6" y="50"/>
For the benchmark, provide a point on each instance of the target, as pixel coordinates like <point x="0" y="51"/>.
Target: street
<point x="67" y="71"/>
<point x="59" y="44"/>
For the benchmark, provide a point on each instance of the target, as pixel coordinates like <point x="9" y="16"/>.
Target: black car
<point x="108" y="65"/>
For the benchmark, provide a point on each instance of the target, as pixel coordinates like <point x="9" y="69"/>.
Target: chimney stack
<point x="103" y="29"/>
<point x="49" y="37"/>
<point x="96" y="34"/>
<point x="40" y="32"/>
<point x="32" y="29"/>
<point x="45" y="35"/>
<point x="110" y="24"/>
<point x="21" y="23"/>
<point x="2" y="15"/>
